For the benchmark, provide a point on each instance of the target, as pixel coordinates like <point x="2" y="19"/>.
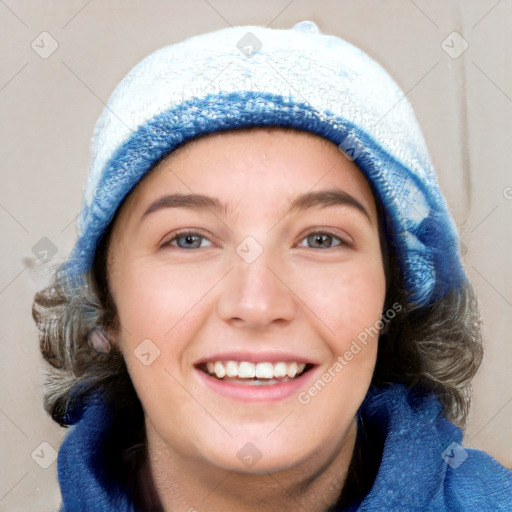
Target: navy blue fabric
<point x="413" y="475"/>
<point x="84" y="461"/>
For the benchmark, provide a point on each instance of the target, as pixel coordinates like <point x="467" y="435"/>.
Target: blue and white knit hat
<point x="299" y="78"/>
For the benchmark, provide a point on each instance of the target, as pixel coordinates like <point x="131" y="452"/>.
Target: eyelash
<point x="186" y="232"/>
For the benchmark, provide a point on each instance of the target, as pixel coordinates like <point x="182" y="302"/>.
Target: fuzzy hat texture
<point x="299" y="78"/>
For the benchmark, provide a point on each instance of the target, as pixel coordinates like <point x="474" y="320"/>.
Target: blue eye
<point x="321" y="237"/>
<point x="189" y="239"/>
<point x="192" y="240"/>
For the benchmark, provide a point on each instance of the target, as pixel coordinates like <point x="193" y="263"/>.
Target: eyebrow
<point x="303" y="202"/>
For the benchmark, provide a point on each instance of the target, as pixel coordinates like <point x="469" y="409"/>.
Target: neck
<point x="188" y="483"/>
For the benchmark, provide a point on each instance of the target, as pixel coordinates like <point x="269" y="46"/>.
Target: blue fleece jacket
<point x="423" y="465"/>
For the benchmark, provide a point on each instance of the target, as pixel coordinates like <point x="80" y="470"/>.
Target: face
<point x="243" y="283"/>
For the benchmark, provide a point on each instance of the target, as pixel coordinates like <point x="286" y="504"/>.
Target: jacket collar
<point x="418" y="468"/>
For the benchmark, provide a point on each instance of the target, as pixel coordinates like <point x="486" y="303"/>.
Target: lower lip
<point x="257" y="392"/>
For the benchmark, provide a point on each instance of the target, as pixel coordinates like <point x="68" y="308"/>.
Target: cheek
<point x="346" y="298"/>
<point x="157" y="300"/>
<point x="349" y="302"/>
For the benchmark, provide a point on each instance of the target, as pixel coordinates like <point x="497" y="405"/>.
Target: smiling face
<point x="255" y="282"/>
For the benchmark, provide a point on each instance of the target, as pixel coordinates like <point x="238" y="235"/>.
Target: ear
<point x="112" y="336"/>
<point x="98" y="340"/>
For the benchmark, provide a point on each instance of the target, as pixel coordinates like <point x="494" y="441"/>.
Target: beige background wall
<point x="48" y="107"/>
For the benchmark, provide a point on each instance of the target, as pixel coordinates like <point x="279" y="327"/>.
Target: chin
<point x="273" y="463"/>
<point x="255" y="452"/>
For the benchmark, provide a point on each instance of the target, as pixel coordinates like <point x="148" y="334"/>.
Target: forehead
<point x="256" y="166"/>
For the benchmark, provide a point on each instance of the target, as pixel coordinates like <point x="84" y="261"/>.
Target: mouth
<point x="264" y="373"/>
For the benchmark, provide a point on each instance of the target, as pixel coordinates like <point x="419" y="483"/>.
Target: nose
<point x="257" y="294"/>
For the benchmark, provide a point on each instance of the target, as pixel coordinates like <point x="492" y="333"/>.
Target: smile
<point x="254" y="380"/>
<point x="254" y="373"/>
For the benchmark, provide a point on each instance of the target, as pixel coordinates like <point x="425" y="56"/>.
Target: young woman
<point x="265" y="308"/>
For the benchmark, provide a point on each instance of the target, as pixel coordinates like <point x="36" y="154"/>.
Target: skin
<point x="311" y="298"/>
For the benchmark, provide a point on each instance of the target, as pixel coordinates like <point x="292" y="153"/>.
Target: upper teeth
<point x="247" y="370"/>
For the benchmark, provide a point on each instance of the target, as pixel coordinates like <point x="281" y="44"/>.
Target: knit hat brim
<point x="419" y="238"/>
